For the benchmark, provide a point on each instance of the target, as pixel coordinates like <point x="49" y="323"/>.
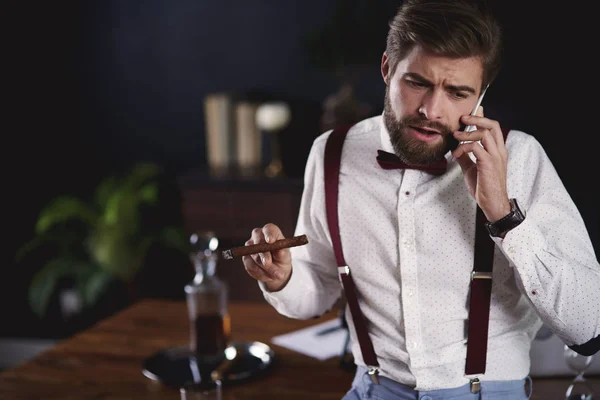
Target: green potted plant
<point x="101" y="241"/>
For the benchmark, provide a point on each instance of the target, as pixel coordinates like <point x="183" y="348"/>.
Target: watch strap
<point x="508" y="222"/>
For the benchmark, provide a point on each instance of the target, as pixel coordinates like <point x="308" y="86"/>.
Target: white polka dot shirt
<point x="408" y="238"/>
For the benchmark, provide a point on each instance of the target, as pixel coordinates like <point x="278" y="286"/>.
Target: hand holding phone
<point x="470" y="128"/>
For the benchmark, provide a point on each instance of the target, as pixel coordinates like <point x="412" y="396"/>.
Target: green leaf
<point x="175" y="238"/>
<point x="140" y="174"/>
<point x="123" y="204"/>
<point x="111" y="210"/>
<point x="109" y="247"/>
<point x="65" y="240"/>
<point x="123" y="209"/>
<point x="149" y="193"/>
<point x="105" y="190"/>
<point x="64" y="208"/>
<point x="94" y="286"/>
<point x="118" y="253"/>
<point x="44" y="283"/>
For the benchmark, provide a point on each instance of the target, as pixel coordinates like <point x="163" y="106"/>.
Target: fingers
<point x="260" y="266"/>
<point x="271" y="233"/>
<point x="488" y="136"/>
<point x="472" y="147"/>
<point x="464" y="161"/>
<point x="257" y="237"/>
<point x="485" y="127"/>
<point x="253" y="265"/>
<point x="256" y="267"/>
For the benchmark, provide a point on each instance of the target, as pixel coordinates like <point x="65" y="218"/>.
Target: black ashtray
<point x="177" y="366"/>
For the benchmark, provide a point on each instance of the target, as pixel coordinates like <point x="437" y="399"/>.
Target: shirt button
<point x="426" y="398"/>
<point x="511" y="249"/>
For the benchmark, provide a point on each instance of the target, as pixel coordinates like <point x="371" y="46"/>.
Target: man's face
<point x="424" y="100"/>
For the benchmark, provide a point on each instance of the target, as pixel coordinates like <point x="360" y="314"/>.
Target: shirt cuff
<point x="521" y="242"/>
<point x="520" y="246"/>
<point x="293" y="290"/>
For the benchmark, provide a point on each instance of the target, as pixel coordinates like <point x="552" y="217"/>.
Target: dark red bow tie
<point x="391" y="161"/>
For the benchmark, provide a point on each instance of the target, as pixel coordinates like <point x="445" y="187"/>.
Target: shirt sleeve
<point x="314" y="285"/>
<point x="551" y="250"/>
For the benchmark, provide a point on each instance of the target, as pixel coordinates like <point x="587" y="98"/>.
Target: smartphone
<point x="453" y="142"/>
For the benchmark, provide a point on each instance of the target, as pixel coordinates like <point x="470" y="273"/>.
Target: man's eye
<point x="460" y="95"/>
<point x="416" y="84"/>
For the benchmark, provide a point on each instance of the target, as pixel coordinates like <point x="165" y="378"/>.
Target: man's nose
<point x="432" y="105"/>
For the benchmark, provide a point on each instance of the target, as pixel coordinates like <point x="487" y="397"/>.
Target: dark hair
<point x="453" y="28"/>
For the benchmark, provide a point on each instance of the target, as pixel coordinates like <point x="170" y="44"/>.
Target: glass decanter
<point x="207" y="304"/>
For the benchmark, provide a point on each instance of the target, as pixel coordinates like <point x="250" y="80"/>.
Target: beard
<point x="412" y="151"/>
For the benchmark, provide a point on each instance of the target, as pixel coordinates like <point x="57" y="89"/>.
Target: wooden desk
<point x="105" y="361"/>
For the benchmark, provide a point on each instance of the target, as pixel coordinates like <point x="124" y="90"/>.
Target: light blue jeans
<point x="363" y="388"/>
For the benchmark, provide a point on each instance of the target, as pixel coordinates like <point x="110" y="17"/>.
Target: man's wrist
<point x="276" y="286"/>
<point x="500" y="211"/>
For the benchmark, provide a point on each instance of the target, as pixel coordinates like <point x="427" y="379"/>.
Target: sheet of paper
<point x="308" y="341"/>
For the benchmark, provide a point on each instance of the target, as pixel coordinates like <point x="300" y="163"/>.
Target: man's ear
<point x="385" y="68"/>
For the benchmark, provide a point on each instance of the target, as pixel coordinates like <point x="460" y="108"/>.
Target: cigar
<point x="264" y="247"/>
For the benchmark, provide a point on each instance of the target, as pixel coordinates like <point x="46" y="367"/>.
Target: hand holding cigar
<point x="265" y="247"/>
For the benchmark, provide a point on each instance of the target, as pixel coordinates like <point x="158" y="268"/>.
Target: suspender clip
<point x="475" y="385"/>
<point x="374" y="374"/>
<point x="344" y="270"/>
<point x="481" y="275"/>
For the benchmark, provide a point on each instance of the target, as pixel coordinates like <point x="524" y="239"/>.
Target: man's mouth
<point x="426" y="131"/>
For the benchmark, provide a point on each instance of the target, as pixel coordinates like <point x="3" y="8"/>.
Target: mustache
<point x="420" y="122"/>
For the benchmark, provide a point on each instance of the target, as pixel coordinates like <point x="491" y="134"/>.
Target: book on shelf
<point x="233" y="140"/>
<point x="220" y="131"/>
<point x="248" y="136"/>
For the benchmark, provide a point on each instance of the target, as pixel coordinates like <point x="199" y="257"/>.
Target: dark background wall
<point x="93" y="87"/>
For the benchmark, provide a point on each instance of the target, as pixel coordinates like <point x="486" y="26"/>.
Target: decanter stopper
<point x="203" y="254"/>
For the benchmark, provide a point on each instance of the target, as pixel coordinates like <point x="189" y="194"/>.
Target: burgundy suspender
<point x="333" y="155"/>
<point x="479" y="302"/>
<point x="481" y="292"/>
<point x="481" y="277"/>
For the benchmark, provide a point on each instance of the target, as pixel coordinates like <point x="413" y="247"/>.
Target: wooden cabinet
<point x="231" y="206"/>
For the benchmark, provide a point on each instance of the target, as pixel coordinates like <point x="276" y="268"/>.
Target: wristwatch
<point x="505" y="224"/>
